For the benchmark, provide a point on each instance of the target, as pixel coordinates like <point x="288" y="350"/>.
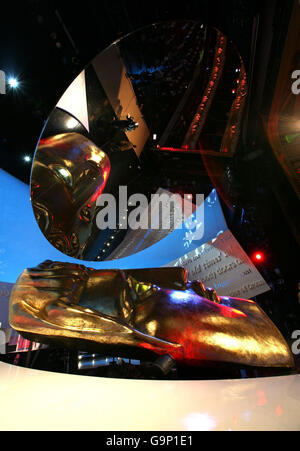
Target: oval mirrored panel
<point x="156" y="113"/>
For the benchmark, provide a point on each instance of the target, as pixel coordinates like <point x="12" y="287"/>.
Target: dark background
<point x="47" y="43"/>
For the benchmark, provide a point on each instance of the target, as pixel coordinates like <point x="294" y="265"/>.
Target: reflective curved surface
<point x="168" y="90"/>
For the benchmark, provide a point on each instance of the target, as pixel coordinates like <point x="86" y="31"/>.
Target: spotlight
<point x="27" y="158"/>
<point x="258" y="256"/>
<point x="13" y="82"/>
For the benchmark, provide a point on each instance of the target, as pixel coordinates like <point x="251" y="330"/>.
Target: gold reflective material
<point x="110" y="311"/>
<point x="140" y="289"/>
<point x="206" y="292"/>
<point x="68" y="174"/>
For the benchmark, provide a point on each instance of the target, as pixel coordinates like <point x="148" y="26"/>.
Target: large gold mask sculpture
<point x="143" y="312"/>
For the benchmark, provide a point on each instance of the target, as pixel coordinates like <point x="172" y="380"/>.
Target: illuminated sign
<point x="222" y="264"/>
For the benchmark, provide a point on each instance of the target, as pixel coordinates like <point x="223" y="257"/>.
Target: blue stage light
<point x="13" y="82"/>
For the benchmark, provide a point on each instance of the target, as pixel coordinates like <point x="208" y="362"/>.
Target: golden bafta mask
<point x="143" y="312"/>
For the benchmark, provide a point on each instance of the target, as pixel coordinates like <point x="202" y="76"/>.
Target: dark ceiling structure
<point x="47" y="43"/>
